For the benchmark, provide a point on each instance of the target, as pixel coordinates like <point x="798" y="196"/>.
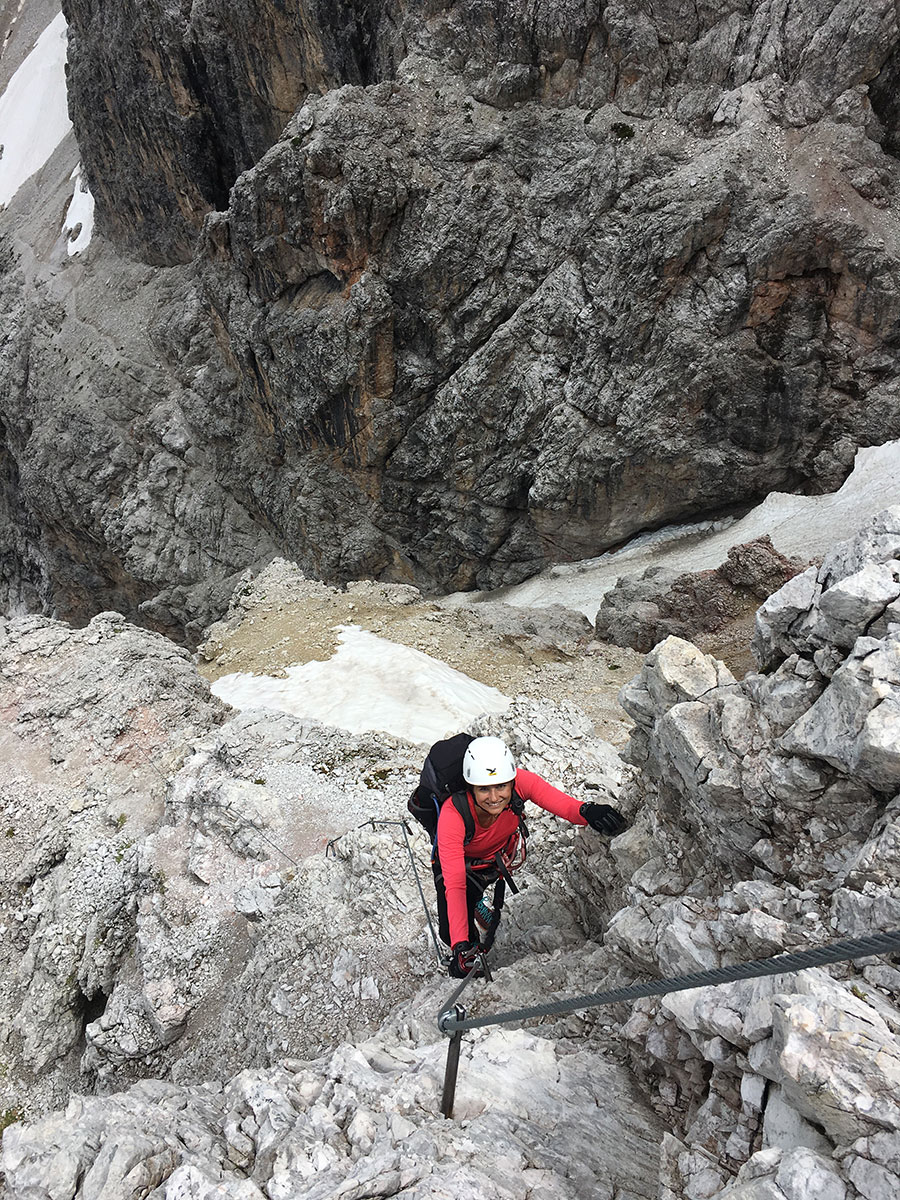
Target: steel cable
<point x="373" y="821"/>
<point x="780" y="964"/>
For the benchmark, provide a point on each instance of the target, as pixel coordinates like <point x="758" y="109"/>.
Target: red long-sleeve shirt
<point x="451" y="832"/>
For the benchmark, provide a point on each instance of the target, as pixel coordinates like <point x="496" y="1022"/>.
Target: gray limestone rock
<point x="95" y="721"/>
<point x="779" y="615"/>
<point x="787" y="753"/>
<point x="449" y="295"/>
<point x="200" y="92"/>
<point x="784" y="695"/>
<point x="847" y="1083"/>
<point x="363" y="1120"/>
<point x="853" y="725"/>
<point x="798" y="1174"/>
<point x="785" y="1129"/>
<point x="641" y="611"/>
<point x="877" y="542"/>
<point x="849" y="597"/>
<point x="853" y="603"/>
<point x="553" y="625"/>
<point x="673" y="672"/>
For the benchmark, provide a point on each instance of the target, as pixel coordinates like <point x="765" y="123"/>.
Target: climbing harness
<point x="507" y="859"/>
<point x="510" y="858"/>
<point x="453" y="1021"/>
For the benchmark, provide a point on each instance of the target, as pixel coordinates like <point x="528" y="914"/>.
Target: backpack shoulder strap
<point x="460" y="801"/>
<point x="517" y="805"/>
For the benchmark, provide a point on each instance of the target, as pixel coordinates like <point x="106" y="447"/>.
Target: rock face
<point x="643" y="610"/>
<point x="767" y="821"/>
<point x="144" y="836"/>
<point x="471" y="291"/>
<point x="759" y="823"/>
<point x="93" y="723"/>
<point x="181" y="98"/>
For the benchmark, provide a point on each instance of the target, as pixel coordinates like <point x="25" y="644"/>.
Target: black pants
<point x="476" y="882"/>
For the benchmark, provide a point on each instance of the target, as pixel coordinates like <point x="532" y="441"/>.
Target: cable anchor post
<point x="457" y="1013"/>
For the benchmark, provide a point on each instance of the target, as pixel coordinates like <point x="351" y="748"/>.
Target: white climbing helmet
<point x="488" y="760"/>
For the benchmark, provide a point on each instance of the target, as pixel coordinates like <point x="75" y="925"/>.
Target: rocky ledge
<point x="764" y="817"/>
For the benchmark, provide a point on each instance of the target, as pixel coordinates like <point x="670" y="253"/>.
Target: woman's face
<point x="493" y="798"/>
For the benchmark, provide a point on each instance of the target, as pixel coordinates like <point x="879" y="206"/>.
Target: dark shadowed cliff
<point x="444" y="292"/>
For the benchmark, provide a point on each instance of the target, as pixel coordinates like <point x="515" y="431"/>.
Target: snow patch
<point x="34" y="116"/>
<point x="370" y="683"/>
<point x="78" y="226"/>
<point x="800" y="526"/>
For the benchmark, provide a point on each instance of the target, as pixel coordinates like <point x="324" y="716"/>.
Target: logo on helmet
<point x="488" y="761"/>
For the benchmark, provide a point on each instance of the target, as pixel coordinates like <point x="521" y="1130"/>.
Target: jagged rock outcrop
<point x="474" y="290"/>
<point x="641" y="610"/>
<point x="94" y="722"/>
<point x="750" y="834"/>
<point x="767" y="821"/>
<point x="180" y="99"/>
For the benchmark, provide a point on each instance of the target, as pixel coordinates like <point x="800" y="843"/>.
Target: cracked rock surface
<point x="766" y="820"/>
<point x="268" y="1030"/>
<point x="440" y="294"/>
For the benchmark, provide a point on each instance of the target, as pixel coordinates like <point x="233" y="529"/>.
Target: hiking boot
<point x="484" y="914"/>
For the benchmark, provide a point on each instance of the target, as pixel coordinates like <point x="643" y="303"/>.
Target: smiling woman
<point x="490" y="801"/>
<point x="471" y="854"/>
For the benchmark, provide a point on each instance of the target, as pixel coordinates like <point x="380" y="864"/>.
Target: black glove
<point x="603" y="818"/>
<point x="462" y="958"/>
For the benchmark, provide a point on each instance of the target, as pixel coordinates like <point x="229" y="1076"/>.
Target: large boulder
<point x="639" y="611"/>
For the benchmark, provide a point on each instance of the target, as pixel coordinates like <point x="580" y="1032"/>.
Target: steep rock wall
<point x="173" y="101"/>
<point x="178" y="99"/>
<point x="524" y="335"/>
<point x="766" y="820"/>
<point x="474" y="288"/>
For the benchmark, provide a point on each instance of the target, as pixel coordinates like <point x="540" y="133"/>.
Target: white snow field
<point x="374" y="684"/>
<point x="79" y="213"/>
<point x="370" y="683"/>
<point x="801" y="526"/>
<point x="34" y="116"/>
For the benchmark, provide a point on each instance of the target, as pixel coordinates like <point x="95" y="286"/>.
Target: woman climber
<point x="481" y="840"/>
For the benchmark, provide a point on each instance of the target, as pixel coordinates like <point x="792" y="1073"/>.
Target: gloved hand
<point x="604" y="818"/>
<point x="462" y="958"/>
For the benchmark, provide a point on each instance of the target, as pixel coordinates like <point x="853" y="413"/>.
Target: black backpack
<point x="441" y="780"/>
